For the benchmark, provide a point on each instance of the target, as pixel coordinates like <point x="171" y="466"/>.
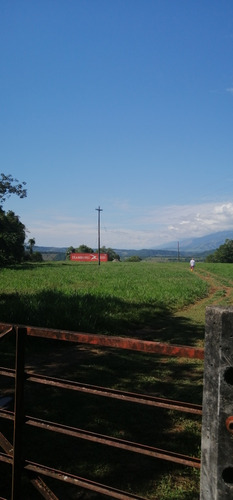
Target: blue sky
<point x="122" y="104"/>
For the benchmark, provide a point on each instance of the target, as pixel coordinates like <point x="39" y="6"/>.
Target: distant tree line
<point x="224" y="253"/>
<point x="133" y="258"/>
<point x="112" y="255"/>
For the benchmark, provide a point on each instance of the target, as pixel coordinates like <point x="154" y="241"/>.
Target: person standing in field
<point x="192" y="264"/>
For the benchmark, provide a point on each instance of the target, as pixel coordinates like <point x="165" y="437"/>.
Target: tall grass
<point x="222" y="270"/>
<point x="113" y="297"/>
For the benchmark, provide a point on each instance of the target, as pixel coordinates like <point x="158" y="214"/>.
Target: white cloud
<point x="132" y="227"/>
<point x="185" y="222"/>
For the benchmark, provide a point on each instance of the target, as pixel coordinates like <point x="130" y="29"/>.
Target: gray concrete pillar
<point x="217" y="421"/>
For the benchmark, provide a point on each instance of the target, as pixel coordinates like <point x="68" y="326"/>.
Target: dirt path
<point x="220" y="293"/>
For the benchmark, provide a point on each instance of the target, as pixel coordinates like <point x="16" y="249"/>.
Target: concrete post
<point x="217" y="420"/>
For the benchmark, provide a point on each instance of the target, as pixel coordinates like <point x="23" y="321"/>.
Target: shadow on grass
<point x="96" y="314"/>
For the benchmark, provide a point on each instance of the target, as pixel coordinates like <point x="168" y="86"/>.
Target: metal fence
<point x="13" y="454"/>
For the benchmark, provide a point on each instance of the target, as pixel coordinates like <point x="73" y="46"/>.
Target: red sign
<point x="88" y="257"/>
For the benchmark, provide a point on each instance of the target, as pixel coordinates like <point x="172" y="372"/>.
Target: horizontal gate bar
<point x="7" y="372"/>
<point x="116" y="394"/>
<point x="119" y="342"/>
<point x="114" y="442"/>
<point x="109" y="441"/>
<point x="112" y="393"/>
<point x="9" y="415"/>
<point x="6" y="458"/>
<point x="110" y="341"/>
<point x="81" y="482"/>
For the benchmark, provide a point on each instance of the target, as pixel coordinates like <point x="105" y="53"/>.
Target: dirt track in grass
<point x="219" y="294"/>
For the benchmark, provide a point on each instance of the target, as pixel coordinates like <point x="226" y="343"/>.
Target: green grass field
<point x="110" y="298"/>
<point x="151" y="301"/>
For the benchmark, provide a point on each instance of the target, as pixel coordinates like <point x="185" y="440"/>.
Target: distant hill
<point x="52" y="253"/>
<point x="146" y="253"/>
<point x="50" y="249"/>
<point x="201" y="246"/>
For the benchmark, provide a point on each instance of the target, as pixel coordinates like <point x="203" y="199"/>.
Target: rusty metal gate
<point x="12" y="452"/>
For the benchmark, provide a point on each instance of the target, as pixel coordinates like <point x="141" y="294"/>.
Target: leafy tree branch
<point x="9" y="186"/>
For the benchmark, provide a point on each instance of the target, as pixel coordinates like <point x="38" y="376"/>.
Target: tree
<point x="31" y="244"/>
<point x="9" y="186"/>
<point x="84" y="249"/>
<point x="69" y="251"/>
<point x="12" y="231"/>
<point x="31" y="255"/>
<point x="80" y="249"/>
<point x="223" y="254"/>
<point x="36" y="257"/>
<point x="111" y="253"/>
<point x="133" y="258"/>
<point x="12" y="237"/>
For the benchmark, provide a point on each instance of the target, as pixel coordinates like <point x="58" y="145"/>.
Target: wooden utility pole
<point x="99" y="210"/>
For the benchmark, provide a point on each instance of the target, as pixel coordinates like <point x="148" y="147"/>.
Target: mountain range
<point x="188" y="246"/>
<point x="201" y="244"/>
